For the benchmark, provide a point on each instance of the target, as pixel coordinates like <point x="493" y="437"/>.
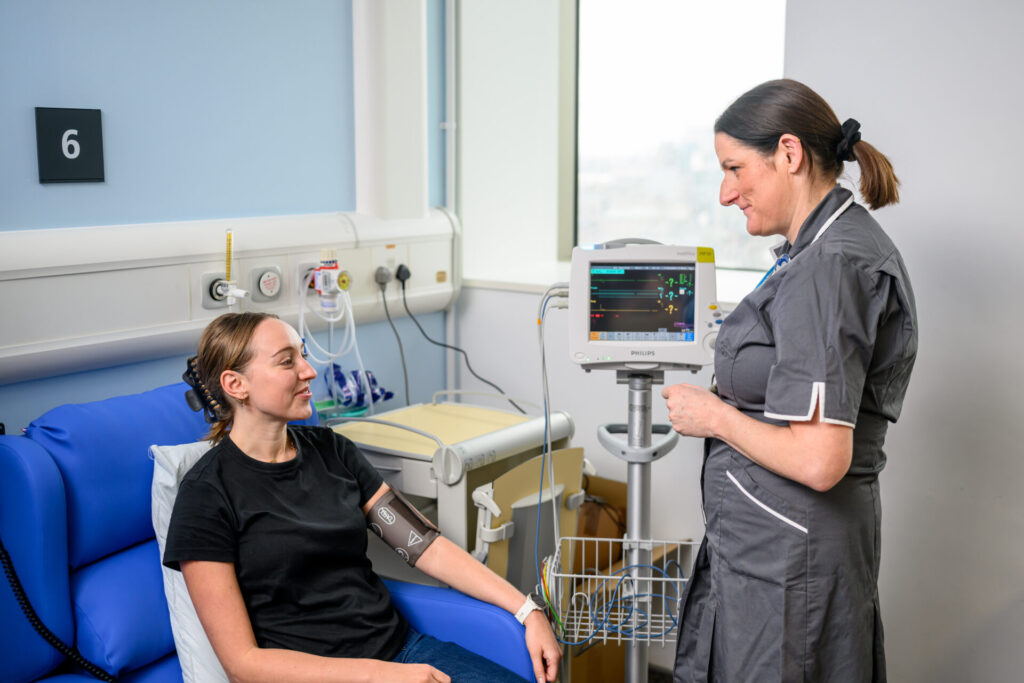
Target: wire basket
<point x="616" y="589"/>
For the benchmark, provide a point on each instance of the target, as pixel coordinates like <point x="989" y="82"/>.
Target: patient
<point x="269" y="530"/>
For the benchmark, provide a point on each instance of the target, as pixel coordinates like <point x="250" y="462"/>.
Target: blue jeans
<point x="462" y="665"/>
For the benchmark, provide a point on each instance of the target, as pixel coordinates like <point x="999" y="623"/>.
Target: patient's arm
<point x="218" y="601"/>
<point x="452" y="565"/>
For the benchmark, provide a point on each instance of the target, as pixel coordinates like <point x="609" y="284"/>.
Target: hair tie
<point x="851" y="136"/>
<point x="199" y="397"/>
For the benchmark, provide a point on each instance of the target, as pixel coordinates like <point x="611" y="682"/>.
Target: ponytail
<point x="878" y="183"/>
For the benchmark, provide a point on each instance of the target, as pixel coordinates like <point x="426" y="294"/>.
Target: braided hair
<point x="224" y="345"/>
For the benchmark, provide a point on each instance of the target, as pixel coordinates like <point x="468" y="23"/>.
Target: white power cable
<point x="559" y="290"/>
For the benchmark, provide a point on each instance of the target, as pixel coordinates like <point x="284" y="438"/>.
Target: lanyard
<point x="784" y="259"/>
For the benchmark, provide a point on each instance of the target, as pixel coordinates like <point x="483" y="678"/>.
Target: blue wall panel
<point x="210" y="110"/>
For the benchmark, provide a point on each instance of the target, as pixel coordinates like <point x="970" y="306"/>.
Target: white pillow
<point x="199" y="664"/>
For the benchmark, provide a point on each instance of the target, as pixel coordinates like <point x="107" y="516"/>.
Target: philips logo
<point x="641" y="354"/>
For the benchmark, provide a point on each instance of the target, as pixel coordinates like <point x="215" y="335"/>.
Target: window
<point x="653" y="76"/>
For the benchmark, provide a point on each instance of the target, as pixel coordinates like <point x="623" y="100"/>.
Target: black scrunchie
<point x="851" y="136"/>
<point x="199" y="397"/>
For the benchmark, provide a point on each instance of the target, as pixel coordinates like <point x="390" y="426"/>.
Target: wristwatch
<point x="533" y="602"/>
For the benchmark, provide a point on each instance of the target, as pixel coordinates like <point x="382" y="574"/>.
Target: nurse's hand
<point x="692" y="410"/>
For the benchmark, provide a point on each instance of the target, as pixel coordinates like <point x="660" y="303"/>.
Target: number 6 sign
<point x="70" y="145"/>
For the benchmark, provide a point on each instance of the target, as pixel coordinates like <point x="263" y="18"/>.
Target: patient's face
<point x="278" y="376"/>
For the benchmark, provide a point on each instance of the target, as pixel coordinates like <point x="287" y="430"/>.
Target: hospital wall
<point x="210" y="110"/>
<point x="935" y="87"/>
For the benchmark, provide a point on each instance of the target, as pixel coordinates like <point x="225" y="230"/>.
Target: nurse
<point x="810" y="369"/>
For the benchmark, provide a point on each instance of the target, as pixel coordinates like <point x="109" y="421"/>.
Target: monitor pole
<point x="638" y="453"/>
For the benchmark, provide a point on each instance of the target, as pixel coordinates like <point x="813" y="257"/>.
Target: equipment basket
<point x="616" y="589"/>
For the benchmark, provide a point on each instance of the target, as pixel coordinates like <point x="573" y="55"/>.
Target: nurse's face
<point x="755" y="184"/>
<point x="278" y="375"/>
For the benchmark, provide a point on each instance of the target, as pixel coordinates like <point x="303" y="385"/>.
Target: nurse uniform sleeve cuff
<point x="817" y="402"/>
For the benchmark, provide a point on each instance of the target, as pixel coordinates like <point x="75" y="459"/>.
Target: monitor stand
<point x="639" y="453"/>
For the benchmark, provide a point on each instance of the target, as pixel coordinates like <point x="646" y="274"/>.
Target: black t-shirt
<point x="296" y="534"/>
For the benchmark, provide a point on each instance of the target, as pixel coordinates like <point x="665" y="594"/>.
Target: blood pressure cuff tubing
<point x="401" y="526"/>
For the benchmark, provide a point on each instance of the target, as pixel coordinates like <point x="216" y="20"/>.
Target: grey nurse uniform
<point x="785" y="583"/>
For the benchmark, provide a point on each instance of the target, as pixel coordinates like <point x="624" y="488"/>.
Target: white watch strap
<point x="524" y="611"/>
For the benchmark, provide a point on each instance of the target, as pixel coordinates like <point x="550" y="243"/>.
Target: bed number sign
<point x="70" y="145"/>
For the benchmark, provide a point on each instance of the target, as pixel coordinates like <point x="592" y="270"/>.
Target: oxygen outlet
<point x="218" y="292"/>
<point x="219" y="289"/>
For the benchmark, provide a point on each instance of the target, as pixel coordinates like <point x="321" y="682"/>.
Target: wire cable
<point x="547" y="432"/>
<point x="559" y="289"/>
<point x="401" y="351"/>
<point x="71" y="653"/>
<point x="546" y="459"/>
<point x="601" y="614"/>
<point x="465" y="356"/>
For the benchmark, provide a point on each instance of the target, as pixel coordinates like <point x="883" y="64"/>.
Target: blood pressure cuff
<point x="401" y="526"/>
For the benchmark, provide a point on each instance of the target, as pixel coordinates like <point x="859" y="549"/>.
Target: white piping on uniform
<point x="830" y="421"/>
<point x="817" y="389"/>
<point x="833" y="217"/>
<point x="825" y="226"/>
<point x="767" y="509"/>
<point x="817" y="399"/>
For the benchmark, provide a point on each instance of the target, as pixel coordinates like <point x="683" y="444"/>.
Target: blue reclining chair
<point x="75" y="519"/>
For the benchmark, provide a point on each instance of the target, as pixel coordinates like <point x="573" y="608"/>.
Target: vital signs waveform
<point x="641" y="297"/>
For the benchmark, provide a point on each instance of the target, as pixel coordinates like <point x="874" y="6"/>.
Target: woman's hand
<point x="814" y="453"/>
<point x="692" y="410"/>
<point x="447" y="562"/>
<point x="393" y="672"/>
<point x="544" y="648"/>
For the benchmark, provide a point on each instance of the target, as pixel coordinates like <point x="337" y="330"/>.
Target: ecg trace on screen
<point x="632" y="302"/>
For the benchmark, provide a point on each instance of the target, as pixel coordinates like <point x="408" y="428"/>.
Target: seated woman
<point x="269" y="530"/>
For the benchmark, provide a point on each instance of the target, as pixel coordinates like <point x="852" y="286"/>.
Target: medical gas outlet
<point x="222" y="290"/>
<point x="267" y="283"/>
<point x="219" y="292"/>
<point x="329" y="280"/>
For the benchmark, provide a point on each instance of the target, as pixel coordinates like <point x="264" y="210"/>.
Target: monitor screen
<point x="643" y="307"/>
<point x="631" y="302"/>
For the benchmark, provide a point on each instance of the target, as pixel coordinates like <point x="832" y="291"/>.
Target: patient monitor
<point x="643" y="307"/>
<point x="640" y="309"/>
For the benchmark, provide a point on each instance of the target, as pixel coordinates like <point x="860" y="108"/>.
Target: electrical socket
<point x="390" y="256"/>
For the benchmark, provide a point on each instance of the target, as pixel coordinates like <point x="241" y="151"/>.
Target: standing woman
<point x="810" y="367"/>
<point x="269" y="530"/>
